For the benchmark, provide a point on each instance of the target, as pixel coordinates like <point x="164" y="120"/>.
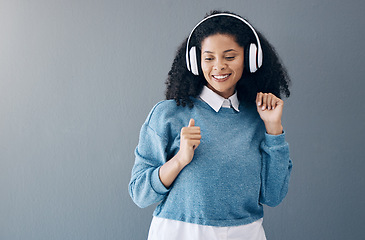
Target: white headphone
<point x="254" y="60"/>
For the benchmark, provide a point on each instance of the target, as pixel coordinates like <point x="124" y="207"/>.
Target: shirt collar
<point x="216" y="101"/>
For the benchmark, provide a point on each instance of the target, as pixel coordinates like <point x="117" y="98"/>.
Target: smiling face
<point x="222" y="63"/>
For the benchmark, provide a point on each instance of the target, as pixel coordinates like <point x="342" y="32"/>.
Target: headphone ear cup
<point x="193" y="53"/>
<point x="253" y="57"/>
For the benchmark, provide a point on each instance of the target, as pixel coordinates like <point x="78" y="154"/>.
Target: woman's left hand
<point x="270" y="109"/>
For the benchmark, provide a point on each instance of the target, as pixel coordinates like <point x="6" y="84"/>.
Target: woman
<point x="215" y="150"/>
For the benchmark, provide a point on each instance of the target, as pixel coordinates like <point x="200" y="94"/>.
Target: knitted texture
<point x="236" y="168"/>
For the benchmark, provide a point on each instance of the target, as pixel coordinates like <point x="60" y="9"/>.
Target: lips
<point x="221" y="77"/>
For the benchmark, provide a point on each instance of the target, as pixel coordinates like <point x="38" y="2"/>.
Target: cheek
<point x="205" y="69"/>
<point x="239" y="68"/>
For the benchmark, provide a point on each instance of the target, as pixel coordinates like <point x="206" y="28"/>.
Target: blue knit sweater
<point x="236" y="168"/>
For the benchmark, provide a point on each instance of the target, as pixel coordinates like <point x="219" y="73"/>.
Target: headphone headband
<point x="258" y="54"/>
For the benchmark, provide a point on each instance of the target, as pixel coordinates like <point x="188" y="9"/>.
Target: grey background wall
<point x="78" y="78"/>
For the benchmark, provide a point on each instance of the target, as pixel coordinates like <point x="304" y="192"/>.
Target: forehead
<point x="220" y="42"/>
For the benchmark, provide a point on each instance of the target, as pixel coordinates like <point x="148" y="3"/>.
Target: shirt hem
<point x="211" y="222"/>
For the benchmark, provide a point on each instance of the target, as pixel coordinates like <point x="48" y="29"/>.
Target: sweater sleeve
<point x="276" y="169"/>
<point x="145" y="187"/>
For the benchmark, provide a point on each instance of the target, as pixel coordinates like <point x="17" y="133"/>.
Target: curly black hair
<point x="272" y="77"/>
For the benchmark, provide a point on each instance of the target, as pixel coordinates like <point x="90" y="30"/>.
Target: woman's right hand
<point x="189" y="140"/>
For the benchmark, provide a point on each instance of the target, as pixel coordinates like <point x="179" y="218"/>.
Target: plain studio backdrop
<point x="78" y="78"/>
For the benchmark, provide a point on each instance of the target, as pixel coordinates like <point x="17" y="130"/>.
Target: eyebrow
<point x="229" y="50"/>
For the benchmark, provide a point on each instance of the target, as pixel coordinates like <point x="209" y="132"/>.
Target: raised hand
<point x="189" y="140"/>
<point x="270" y="109"/>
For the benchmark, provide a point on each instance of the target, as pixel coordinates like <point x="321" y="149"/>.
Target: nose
<point x="220" y="65"/>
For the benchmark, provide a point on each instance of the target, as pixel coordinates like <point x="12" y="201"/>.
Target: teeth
<point x="221" y="76"/>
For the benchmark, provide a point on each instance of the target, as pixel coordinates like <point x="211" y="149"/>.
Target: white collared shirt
<point x="167" y="229"/>
<point x="216" y="101"/>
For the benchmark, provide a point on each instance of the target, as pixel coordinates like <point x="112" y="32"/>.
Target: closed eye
<point x="230" y="58"/>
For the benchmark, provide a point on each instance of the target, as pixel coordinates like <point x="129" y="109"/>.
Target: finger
<point x="194" y="137"/>
<point x="258" y="98"/>
<point x="273" y="103"/>
<point x="270" y="104"/>
<point x="276" y="102"/>
<point x="191" y="123"/>
<point x="264" y="101"/>
<point x="190" y="130"/>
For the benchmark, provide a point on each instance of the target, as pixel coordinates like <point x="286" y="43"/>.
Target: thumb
<point x="191" y="123"/>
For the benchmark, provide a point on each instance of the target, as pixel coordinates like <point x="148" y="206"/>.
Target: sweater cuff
<point x="275" y="140"/>
<point x="156" y="183"/>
